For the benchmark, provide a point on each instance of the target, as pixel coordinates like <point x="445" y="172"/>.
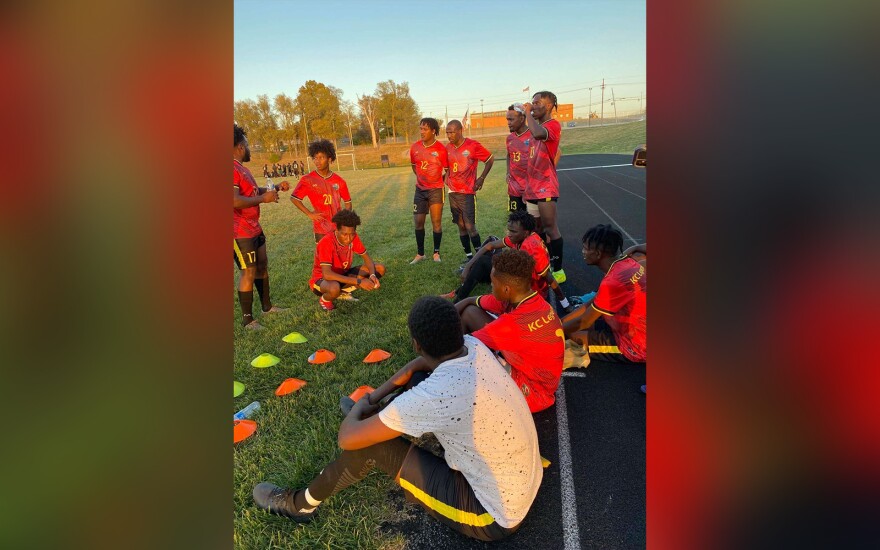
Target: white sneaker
<point x="417" y="259"/>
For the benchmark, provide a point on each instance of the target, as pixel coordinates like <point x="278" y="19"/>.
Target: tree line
<point x="318" y="111"/>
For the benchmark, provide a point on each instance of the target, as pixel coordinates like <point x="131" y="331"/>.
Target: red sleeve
<point x="611" y="296"/>
<point x="542" y="258"/>
<point x="301" y="190"/>
<point x="481" y="153"/>
<point x="324" y="252"/>
<point x="507" y="242"/>
<point x="357" y="246"/>
<point x="488" y="302"/>
<point x="499" y="332"/>
<point x="343" y="190"/>
<point x="554" y="129"/>
<point x="236" y="178"/>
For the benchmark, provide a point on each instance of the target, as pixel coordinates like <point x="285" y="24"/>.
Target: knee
<point x="333" y="289"/>
<point x="380" y="270"/>
<point x="249" y="274"/>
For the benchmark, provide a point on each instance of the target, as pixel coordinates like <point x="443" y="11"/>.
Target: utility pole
<point x="614" y="104"/>
<point x="447" y="116"/>
<point x="590" y="109"/>
<point x="482" y="120"/>
<point x="640" y="102"/>
<point x="602" y="107"/>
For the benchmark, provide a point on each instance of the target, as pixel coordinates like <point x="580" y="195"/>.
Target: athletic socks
<point x="262" y="286"/>
<point x="556" y="254"/>
<point x="304" y="502"/>
<point x="420" y="241"/>
<point x="475" y="240"/>
<point x="437" y="238"/>
<point x="465" y="243"/>
<point x="246" y="300"/>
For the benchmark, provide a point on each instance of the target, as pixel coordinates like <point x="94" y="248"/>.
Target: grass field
<point x="297" y="432"/>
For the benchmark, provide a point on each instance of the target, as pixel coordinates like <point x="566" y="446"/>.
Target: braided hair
<point x="604" y="238"/>
<point x="548" y="95"/>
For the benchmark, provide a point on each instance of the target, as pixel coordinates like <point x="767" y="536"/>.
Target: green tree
<point x="367" y="103"/>
<point x="319" y="105"/>
<point x="396" y="107"/>
<point x="286" y="109"/>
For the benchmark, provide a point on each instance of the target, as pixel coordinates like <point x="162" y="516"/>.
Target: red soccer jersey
<point x="623" y="297"/>
<point x="530" y="338"/>
<point x="325" y="194"/>
<point x="537" y="250"/>
<point x="245" y="221"/>
<point x="339" y="257"/>
<point x="518" y="162"/>
<point x="463" y="165"/>
<point x="543" y="182"/>
<point x="429" y="162"/>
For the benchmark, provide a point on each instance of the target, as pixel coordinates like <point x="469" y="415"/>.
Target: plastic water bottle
<point x="269" y="185"/>
<point x="247" y="412"/>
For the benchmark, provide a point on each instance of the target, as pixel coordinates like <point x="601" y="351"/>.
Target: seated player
<point x="325" y="189"/>
<point x="526" y="332"/>
<point x="491" y="472"/>
<point x="333" y="275"/>
<point x="521" y="236"/>
<point x="613" y="326"/>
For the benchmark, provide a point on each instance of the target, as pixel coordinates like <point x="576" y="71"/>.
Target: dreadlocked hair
<point x="605" y="238"/>
<point x="346" y="218"/>
<point x="322" y="146"/>
<point x="432" y="124"/>
<point x="514" y="266"/>
<point x="548" y="95"/>
<point x="523" y="218"/>
<point x="238" y="134"/>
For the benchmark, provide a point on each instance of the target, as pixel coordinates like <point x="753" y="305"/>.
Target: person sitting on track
<point x="488" y="480"/>
<point x="333" y="275"/>
<point x="517" y="322"/>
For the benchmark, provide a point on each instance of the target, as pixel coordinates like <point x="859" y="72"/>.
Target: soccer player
<point x="333" y="275"/>
<point x="527" y="333"/>
<point x="613" y="326"/>
<point x="325" y="189"/>
<point x="517" y="156"/>
<point x="542" y="190"/>
<point x="464" y="153"/>
<point x="429" y="160"/>
<point x="248" y="240"/>
<point x="520" y="236"/>
<point x="491" y="472"/>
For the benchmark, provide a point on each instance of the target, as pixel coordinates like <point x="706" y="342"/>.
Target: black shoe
<point x="278" y="500"/>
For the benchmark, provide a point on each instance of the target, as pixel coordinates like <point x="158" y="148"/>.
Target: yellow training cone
<point x="294" y="338"/>
<point x="376" y="355"/>
<point x="265" y="360"/>
<point x="237" y="388"/>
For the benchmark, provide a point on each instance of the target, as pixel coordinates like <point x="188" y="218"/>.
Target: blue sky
<point x="453" y="53"/>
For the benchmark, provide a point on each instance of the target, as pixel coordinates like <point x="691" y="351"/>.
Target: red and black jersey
<point x="326" y="195"/>
<point x="429" y="163"/>
<point x="463" y="165"/>
<point x="543" y="181"/>
<point x="623" y="297"/>
<point x="518" y="162"/>
<point x="245" y="221"/>
<point x="537" y="250"/>
<point x="339" y="257"/>
<point x="530" y="338"/>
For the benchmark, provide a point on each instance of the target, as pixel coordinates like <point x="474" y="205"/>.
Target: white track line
<point x="592" y="167"/>
<point x="619" y="187"/>
<point x="603" y="211"/>
<point x="571" y="534"/>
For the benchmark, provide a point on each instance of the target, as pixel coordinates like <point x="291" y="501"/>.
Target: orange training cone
<point x="289" y="386"/>
<point x="376" y="355"/>
<point x="321" y="356"/>
<point x="242" y="429"/>
<point x="360" y="392"/>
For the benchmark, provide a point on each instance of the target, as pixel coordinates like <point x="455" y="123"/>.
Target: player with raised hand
<point x="325" y="189"/>
<point x="429" y="161"/>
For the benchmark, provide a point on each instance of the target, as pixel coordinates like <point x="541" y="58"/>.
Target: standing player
<point x="428" y="158"/>
<point x="333" y="275"/>
<point x="248" y="240"/>
<point x="542" y="190"/>
<point x="527" y="333"/>
<point x="325" y="189"/>
<point x="464" y="153"/>
<point x="517" y="156"/>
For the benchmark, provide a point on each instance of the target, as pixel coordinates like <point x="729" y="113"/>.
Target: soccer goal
<point x="345" y="161"/>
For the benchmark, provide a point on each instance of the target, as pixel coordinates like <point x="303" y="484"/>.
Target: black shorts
<point x="244" y="251"/>
<point x="352" y="272"/>
<point x="515" y="203"/>
<point x="463" y="205"/>
<point x="446" y="495"/>
<point x="424" y="198"/>
<point x="602" y="344"/>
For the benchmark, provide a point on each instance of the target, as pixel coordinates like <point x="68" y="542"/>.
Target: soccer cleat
<point x="578" y="300"/>
<point x="349" y="289"/>
<point x="254" y="325"/>
<point x="276" y="309"/>
<point x="559" y="276"/>
<point x="346" y="296"/>
<point x="277" y="500"/>
<point x="448" y="295"/>
<point x="417" y="259"/>
<point x="437" y="256"/>
<point x="326" y="305"/>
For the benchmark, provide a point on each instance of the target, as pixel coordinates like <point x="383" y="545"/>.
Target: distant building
<point x="498" y="119"/>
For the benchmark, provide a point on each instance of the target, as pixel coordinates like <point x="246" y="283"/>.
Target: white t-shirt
<point x="483" y="422"/>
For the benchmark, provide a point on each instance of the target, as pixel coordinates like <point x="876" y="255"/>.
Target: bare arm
<point x="359" y="429"/>
<point x="240" y="201"/>
<point x="580" y="319"/>
<point x="494" y="245"/>
<point x="487" y="166"/>
<point x="538" y="131"/>
<point x="638" y="248"/>
<point x="302" y="208"/>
